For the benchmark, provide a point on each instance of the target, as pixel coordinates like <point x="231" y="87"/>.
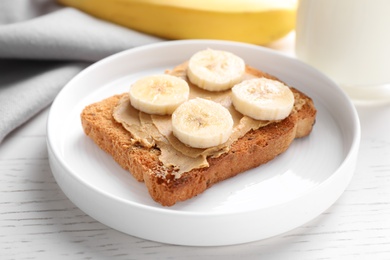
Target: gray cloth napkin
<point x="42" y="46"/>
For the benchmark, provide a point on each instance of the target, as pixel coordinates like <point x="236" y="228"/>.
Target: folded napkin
<point x="42" y="46"/>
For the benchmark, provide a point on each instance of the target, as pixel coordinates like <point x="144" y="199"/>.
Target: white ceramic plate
<point x="274" y="198"/>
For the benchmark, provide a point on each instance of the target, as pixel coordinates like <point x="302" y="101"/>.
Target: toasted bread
<point x="255" y="148"/>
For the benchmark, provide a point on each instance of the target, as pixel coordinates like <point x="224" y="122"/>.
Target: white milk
<point x="349" y="40"/>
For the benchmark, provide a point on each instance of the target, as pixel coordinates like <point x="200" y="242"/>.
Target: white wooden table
<point x="37" y="221"/>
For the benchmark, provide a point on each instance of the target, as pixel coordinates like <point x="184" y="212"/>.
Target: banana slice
<point x="263" y="99"/>
<point x="202" y="123"/>
<point x="215" y="70"/>
<point x="159" y="94"/>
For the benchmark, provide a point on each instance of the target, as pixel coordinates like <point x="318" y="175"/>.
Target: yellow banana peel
<point x="252" y="21"/>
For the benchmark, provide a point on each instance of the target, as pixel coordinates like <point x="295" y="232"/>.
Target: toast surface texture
<point x="253" y="149"/>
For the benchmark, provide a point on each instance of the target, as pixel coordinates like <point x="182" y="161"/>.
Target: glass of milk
<point x="348" y="40"/>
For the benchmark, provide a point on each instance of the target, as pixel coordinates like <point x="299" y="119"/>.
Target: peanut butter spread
<point x="150" y="130"/>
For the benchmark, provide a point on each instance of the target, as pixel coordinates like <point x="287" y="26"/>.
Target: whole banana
<point x="252" y="21"/>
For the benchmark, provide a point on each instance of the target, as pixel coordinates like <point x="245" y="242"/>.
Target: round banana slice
<point x="263" y="99"/>
<point x="215" y="70"/>
<point x="159" y="94"/>
<point x="202" y="123"/>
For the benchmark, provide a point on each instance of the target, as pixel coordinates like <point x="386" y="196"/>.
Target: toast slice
<point x="256" y="147"/>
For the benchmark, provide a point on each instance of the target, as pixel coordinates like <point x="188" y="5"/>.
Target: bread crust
<point x="253" y="149"/>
